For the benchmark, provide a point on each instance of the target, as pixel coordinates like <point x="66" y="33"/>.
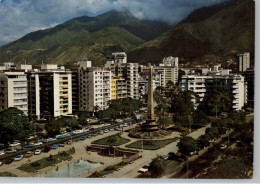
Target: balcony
<point x="235" y="91"/>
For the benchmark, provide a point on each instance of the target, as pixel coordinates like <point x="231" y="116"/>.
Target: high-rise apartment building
<point x="95" y="88"/>
<point x="168" y="70"/>
<point x="13" y="91"/>
<point x="243" y="62"/>
<point x="50" y="91"/>
<point x="129" y="71"/>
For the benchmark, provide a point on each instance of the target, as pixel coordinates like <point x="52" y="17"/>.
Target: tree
<point x="217" y="102"/>
<point x="53" y="128"/>
<point x="213" y="132"/>
<point x="187" y="145"/>
<point x="204" y="140"/>
<point x="182" y="108"/>
<point x="13" y="125"/>
<point x="200" y="118"/>
<point x="83" y="118"/>
<point x="157" y="166"/>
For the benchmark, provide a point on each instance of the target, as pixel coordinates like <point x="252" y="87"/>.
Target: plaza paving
<point x="128" y="171"/>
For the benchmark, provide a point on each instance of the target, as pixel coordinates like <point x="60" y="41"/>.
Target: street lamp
<point x="187" y="164"/>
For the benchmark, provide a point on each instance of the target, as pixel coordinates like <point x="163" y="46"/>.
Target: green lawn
<point x="7" y="174"/>
<point x="114" y="140"/>
<point x="151" y="144"/>
<point x="46" y="162"/>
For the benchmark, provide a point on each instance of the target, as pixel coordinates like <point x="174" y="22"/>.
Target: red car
<point x="28" y="154"/>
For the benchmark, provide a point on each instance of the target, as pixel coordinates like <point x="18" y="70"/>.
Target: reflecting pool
<point x="72" y="170"/>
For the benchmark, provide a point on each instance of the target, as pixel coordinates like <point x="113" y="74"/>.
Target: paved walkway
<point x="128" y="171"/>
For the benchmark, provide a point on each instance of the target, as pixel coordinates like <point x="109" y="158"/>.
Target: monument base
<point x="151" y="134"/>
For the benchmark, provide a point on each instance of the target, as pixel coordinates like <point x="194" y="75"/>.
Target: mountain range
<point x="214" y="33"/>
<point x="209" y="34"/>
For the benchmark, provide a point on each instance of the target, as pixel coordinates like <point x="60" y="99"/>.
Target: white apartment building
<point x="13" y="91"/>
<point x="244" y="61"/>
<point x="95" y="88"/>
<point x="50" y="92"/>
<point x="129" y="71"/>
<point x="168" y="70"/>
<point x="143" y="82"/>
<point x="234" y="84"/>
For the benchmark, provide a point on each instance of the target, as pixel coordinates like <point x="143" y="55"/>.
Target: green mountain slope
<point x="91" y="37"/>
<point x="219" y="30"/>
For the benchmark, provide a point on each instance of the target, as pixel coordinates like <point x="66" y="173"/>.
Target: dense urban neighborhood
<point x="116" y="94"/>
<point x="55" y="116"/>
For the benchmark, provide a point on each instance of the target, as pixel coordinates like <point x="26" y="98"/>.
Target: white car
<point x="37" y="152"/>
<point x="223" y="146"/>
<point x="1" y="163"/>
<point x="2" y="153"/>
<point x="111" y="129"/>
<point x="125" y="125"/>
<point x="212" y="140"/>
<point x="37" y="143"/>
<point x="143" y="169"/>
<point x="106" y="131"/>
<point x="18" y="157"/>
<point x="85" y="130"/>
<point x="78" y="131"/>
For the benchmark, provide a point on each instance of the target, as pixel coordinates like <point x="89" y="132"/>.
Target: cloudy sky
<point x="19" y="17"/>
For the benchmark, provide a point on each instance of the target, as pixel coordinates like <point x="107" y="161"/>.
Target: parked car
<point x="89" y="136"/>
<point x="28" y="146"/>
<point x="2" y="153"/>
<point x="125" y="125"/>
<point x="223" y="146"/>
<point x="85" y="130"/>
<point x="69" y="142"/>
<point x="83" y="138"/>
<point x="106" y="131"/>
<point x="111" y="129"/>
<point x="54" y="146"/>
<point x="165" y="157"/>
<point x="143" y="169"/>
<point x="78" y="131"/>
<point x="10" y="150"/>
<point x="38" y="143"/>
<point x="18" y="157"/>
<point x="172" y="156"/>
<point x="100" y="132"/>
<point x="1" y="163"/>
<point x="28" y="154"/>
<point x="212" y="140"/>
<point x="8" y="161"/>
<point x="193" y="153"/>
<point x="72" y="133"/>
<point x="37" y="152"/>
<point x="62" y="144"/>
<point x="180" y="159"/>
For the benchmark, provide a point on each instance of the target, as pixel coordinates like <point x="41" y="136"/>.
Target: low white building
<point x="234" y="84"/>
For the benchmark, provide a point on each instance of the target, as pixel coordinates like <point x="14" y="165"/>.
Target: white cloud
<point x="18" y="18"/>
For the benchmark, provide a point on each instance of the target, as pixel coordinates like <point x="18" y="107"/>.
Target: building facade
<point x="243" y="62"/>
<point x="50" y="92"/>
<point x="201" y="85"/>
<point x="13" y="91"/>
